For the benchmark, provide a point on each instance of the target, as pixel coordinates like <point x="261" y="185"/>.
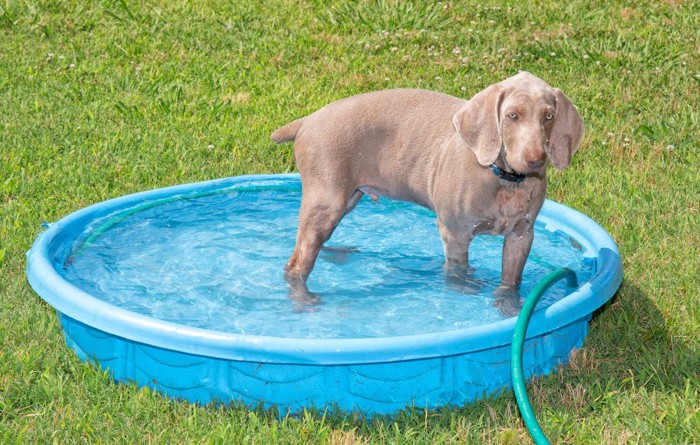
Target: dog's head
<point x="523" y="120"/>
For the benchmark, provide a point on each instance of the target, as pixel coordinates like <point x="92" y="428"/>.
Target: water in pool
<point x="215" y="261"/>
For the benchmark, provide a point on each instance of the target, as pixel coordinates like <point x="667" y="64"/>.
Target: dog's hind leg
<point x="319" y="215"/>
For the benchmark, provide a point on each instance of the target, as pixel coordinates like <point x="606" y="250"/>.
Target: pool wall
<point x="372" y="375"/>
<point x="379" y="388"/>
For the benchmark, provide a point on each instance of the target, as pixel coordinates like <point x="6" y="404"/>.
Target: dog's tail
<point x="288" y="132"/>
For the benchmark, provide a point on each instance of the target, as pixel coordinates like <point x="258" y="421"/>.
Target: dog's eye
<point x="549" y="116"/>
<point x="513" y="115"/>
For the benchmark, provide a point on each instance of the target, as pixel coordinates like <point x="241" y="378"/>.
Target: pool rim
<point x="79" y="305"/>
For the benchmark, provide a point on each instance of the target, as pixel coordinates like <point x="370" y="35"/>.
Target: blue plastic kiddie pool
<point x="181" y="289"/>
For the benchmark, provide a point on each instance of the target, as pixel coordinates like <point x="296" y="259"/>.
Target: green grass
<point x="100" y="99"/>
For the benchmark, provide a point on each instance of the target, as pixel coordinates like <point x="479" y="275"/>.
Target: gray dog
<point x="479" y="164"/>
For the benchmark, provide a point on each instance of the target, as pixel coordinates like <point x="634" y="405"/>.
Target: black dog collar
<point x="511" y="177"/>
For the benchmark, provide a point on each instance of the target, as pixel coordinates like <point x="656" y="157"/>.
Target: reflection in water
<point x="337" y="254"/>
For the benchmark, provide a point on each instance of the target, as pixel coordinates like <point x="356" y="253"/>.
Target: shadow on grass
<point x="631" y="343"/>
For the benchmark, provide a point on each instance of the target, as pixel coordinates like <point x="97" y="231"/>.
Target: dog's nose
<point x="536" y="161"/>
<point x="535" y="164"/>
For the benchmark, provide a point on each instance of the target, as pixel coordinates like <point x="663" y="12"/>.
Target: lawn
<point x="100" y="99"/>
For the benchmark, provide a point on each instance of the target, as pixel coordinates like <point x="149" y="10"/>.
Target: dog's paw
<point x="460" y="278"/>
<point x="508" y="301"/>
<point x="305" y="301"/>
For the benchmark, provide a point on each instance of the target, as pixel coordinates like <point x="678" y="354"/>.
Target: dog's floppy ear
<point x="479" y="123"/>
<point x="567" y="132"/>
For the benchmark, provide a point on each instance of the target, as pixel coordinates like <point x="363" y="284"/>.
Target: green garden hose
<point x="516" y="356"/>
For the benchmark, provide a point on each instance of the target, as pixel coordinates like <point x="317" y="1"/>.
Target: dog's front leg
<point x="459" y="276"/>
<point x="516" y="248"/>
<point x="455" y="242"/>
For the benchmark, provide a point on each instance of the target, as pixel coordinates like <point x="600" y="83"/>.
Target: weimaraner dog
<point x="479" y="164"/>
